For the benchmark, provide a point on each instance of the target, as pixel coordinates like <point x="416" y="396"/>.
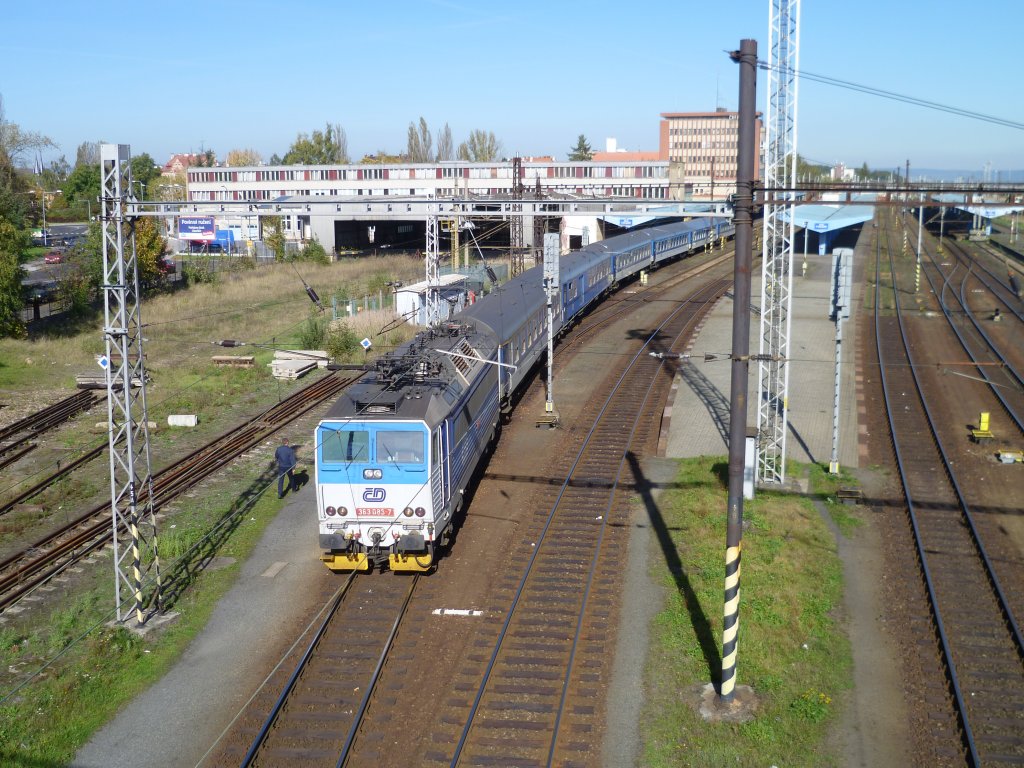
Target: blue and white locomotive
<point x="396" y="452"/>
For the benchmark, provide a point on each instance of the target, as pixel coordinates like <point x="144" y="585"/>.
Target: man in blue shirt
<point x="286" y="461"/>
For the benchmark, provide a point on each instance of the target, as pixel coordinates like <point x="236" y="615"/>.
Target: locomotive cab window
<point x="343" y="445"/>
<point x="400" y="447"/>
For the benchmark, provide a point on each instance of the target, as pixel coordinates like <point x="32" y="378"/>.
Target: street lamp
<point x="142" y="188"/>
<point x="42" y="196"/>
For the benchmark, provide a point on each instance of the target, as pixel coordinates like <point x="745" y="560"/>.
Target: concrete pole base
<point x="741" y="709"/>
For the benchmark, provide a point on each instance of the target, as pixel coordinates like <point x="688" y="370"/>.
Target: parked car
<point x="53" y="257"/>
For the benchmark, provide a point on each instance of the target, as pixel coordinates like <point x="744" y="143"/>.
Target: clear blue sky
<point x="221" y="74"/>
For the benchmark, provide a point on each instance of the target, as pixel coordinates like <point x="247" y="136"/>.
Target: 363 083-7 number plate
<point x="375" y="512"/>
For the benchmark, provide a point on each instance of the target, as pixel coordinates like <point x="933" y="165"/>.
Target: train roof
<point x="422" y="378"/>
<point x="504" y="309"/>
<point x="629" y="240"/>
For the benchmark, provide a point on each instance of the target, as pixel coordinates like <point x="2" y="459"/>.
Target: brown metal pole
<point x="746" y="57"/>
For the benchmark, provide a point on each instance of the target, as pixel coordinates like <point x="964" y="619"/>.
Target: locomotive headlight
<point x="373" y="474"/>
<point x="342" y="511"/>
<point x="407" y="511"/>
<point x="420" y="512"/>
<point x="330" y="511"/>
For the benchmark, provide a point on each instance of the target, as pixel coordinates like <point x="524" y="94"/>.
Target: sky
<point x="222" y="75"/>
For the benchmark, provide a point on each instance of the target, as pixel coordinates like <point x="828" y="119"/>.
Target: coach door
<point x="444" y="461"/>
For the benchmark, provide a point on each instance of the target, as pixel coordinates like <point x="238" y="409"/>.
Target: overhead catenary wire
<point x="892" y="96"/>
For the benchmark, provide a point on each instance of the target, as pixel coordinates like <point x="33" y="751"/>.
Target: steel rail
<point x="921" y="554"/>
<point x="713" y="289"/>
<point x="993" y="347"/>
<point x="50" y="479"/>
<point x="346" y="749"/>
<point x="620" y="306"/>
<point x="167" y="485"/>
<point x="275" y="711"/>
<point x="52" y="415"/>
<point x="922" y="551"/>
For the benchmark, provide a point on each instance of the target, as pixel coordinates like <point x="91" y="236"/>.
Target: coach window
<point x="344" y="445"/>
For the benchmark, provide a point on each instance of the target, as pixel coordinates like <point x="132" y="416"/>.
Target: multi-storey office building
<point x="261" y="185"/>
<point x="701" y="148"/>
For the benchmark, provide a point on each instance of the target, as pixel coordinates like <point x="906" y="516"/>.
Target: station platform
<point x="696" y="419"/>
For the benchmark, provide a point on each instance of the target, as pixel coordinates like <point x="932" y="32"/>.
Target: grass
<point x="102" y="666"/>
<point x="790" y="649"/>
<point x="89" y="669"/>
<point x="266" y="306"/>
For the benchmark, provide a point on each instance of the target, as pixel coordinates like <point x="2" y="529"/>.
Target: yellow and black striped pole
<point x="743" y="219"/>
<point x="731" y="623"/>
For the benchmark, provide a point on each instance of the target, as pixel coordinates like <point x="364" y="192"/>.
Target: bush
<point x="343" y="343"/>
<point x="75" y="294"/>
<point x="378" y="282"/>
<point x="195" y="271"/>
<point x="314" y="252"/>
<point x="313" y="332"/>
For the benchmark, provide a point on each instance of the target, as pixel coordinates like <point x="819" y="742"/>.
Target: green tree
<point x="15" y="203"/>
<point x="480" y="147"/>
<point x="329" y="147"/>
<point x="144" y="170"/>
<point x="88" y="255"/>
<point x="55" y="175"/>
<point x="342" y="343"/>
<point x="14" y="143"/>
<point x="582" y="150"/>
<point x="83" y="184"/>
<point x="167" y="188"/>
<point x="205" y="159"/>
<point x="810" y="170"/>
<point x="150" y="247"/>
<point x="419" y="147"/>
<point x="12" y="244"/>
<point x="313" y="333"/>
<point x="273" y="235"/>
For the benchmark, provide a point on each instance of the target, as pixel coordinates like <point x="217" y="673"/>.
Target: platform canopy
<point x="828" y="218"/>
<point x="981" y="209"/>
<point x="628" y="220"/>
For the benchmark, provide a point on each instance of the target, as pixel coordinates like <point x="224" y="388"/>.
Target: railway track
<point x="979" y="637"/>
<point x="16" y="440"/>
<point x="536" y="687"/>
<point x="990" y="359"/>
<point x="48" y="556"/>
<point x="525" y="681"/>
<point x="318" y="714"/>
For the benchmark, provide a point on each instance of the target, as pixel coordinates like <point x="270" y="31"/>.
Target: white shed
<point x="411" y="300"/>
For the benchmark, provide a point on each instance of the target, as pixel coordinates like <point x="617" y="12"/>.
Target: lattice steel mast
<point x="131" y="485"/>
<point x="777" y="263"/>
<point x="433" y="272"/>
<point x="516" y="221"/>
